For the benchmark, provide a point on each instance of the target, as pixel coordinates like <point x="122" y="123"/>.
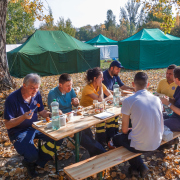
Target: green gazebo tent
<point x="101" y="40"/>
<point x="50" y="53"/>
<point x="149" y="49"/>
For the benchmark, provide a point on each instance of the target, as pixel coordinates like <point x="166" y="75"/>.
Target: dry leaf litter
<point x="162" y="165"/>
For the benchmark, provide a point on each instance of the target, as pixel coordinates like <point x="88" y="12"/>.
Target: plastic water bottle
<point x="55" y="115"/>
<point x="116" y="94"/>
<point x="168" y="110"/>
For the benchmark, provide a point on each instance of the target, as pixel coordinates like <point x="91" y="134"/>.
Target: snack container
<point x="101" y="107"/>
<point x="70" y="116"/>
<point x="95" y="104"/>
<point x="62" y="119"/>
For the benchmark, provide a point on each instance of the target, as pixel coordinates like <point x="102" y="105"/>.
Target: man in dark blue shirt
<point x="110" y="78"/>
<point x="19" y="117"/>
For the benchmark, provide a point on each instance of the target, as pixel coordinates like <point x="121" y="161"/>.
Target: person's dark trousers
<point x="172" y="123"/>
<point x="92" y="146"/>
<point x="122" y="140"/>
<point x="112" y="128"/>
<point x="100" y="135"/>
<point x="24" y="145"/>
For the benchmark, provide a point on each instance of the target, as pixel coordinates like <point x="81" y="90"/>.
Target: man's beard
<point x="115" y="74"/>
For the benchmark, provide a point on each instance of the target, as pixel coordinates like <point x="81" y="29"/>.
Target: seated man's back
<point x="145" y="111"/>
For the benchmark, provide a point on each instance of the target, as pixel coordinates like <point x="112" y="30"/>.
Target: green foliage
<point x="150" y="25"/>
<point x="19" y="24"/>
<point x="166" y="10"/>
<point x="85" y="33"/>
<point x="158" y="9"/>
<point x="111" y="20"/>
<point x="131" y="17"/>
<point x="66" y="26"/>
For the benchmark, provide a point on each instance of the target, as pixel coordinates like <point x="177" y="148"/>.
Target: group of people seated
<point x="142" y="110"/>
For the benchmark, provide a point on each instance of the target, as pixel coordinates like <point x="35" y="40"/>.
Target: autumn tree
<point x="158" y="7"/>
<point x="19" y="23"/>
<point x="49" y="22"/>
<point x="35" y="9"/>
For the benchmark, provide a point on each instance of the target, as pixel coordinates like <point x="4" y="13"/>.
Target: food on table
<point x="38" y="105"/>
<point x="79" y="113"/>
<point x="97" y="111"/>
<point x="42" y="123"/>
<point x="109" y="101"/>
<point x="47" y="119"/>
<point x="79" y="107"/>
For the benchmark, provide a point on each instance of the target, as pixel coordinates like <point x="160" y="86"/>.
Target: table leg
<point x="77" y="147"/>
<point x="100" y="176"/>
<point x="175" y="146"/>
<point x="55" y="151"/>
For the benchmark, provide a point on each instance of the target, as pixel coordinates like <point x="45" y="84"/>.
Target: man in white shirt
<point x="145" y="112"/>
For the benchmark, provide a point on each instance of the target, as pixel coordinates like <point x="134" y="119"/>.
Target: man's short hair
<point x="177" y="73"/>
<point x="172" y="66"/>
<point x="33" y="78"/>
<point x="141" y="79"/>
<point x="64" y="78"/>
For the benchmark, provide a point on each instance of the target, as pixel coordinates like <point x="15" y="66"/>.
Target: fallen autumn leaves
<point x="162" y="166"/>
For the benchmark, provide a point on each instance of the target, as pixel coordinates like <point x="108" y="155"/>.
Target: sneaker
<point x="111" y="145"/>
<point x="30" y="168"/>
<point x="133" y="172"/>
<point x="174" y="141"/>
<point x="143" y="170"/>
<point x="164" y="146"/>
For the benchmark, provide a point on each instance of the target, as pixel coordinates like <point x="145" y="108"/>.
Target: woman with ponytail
<point x="95" y="89"/>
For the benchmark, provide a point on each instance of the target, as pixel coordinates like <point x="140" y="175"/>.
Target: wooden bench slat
<point x="96" y="164"/>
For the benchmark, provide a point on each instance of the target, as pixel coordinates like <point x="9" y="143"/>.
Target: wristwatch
<point x="169" y="105"/>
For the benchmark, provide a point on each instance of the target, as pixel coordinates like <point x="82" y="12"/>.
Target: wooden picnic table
<point x="76" y="125"/>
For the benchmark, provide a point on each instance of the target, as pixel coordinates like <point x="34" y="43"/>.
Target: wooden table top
<point x="76" y="125"/>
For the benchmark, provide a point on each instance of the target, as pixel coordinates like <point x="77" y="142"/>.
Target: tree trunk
<point x="5" y="78"/>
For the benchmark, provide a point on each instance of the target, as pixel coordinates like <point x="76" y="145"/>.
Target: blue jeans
<point x="122" y="140"/>
<point x="24" y="145"/>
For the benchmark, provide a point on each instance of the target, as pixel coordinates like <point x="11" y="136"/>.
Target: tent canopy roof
<point x="101" y="40"/>
<point x="151" y="35"/>
<point x="54" y="41"/>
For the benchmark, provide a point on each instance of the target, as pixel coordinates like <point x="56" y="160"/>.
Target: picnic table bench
<point x="97" y="164"/>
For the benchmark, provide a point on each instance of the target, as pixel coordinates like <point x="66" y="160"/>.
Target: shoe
<point x="164" y="146"/>
<point x="143" y="170"/>
<point x="30" y="168"/>
<point x="174" y="141"/>
<point x="133" y="172"/>
<point x="111" y="145"/>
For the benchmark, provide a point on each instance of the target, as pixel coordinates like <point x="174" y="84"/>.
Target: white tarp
<point x="10" y="47"/>
<point x="108" y="52"/>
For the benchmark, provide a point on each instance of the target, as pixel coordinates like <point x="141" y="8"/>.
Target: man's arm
<point x="125" y="123"/>
<point x="45" y="113"/>
<point x="165" y="100"/>
<point x="172" y="100"/>
<point x="124" y="87"/>
<point x="16" y="121"/>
